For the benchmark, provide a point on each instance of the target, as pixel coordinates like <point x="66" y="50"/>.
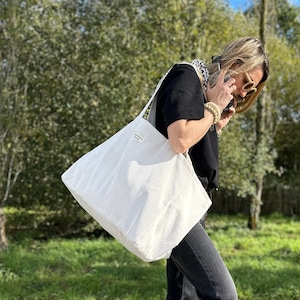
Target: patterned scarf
<point x="200" y="66"/>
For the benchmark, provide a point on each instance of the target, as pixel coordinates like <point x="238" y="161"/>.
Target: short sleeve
<point x="181" y="96"/>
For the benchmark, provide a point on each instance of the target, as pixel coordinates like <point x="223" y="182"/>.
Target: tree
<point x="261" y="136"/>
<point x="86" y="75"/>
<point x="262" y="124"/>
<point x="265" y="122"/>
<point x="288" y="94"/>
<point x="85" y="69"/>
<point x="13" y="94"/>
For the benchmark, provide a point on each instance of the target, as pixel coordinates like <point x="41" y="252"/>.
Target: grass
<point x="264" y="264"/>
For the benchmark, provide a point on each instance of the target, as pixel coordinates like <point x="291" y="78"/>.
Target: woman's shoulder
<point x="182" y="72"/>
<point x="184" y="66"/>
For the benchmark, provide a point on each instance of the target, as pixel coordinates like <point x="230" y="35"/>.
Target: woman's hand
<point x="221" y="93"/>
<point x="225" y="118"/>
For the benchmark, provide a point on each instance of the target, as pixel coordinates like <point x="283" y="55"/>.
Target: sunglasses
<point x="249" y="86"/>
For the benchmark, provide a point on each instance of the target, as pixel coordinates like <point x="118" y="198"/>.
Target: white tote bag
<point x="139" y="190"/>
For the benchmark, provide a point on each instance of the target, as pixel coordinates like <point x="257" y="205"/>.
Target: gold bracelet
<point x="214" y="110"/>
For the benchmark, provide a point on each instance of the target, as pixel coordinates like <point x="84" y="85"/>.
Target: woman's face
<point x="247" y="82"/>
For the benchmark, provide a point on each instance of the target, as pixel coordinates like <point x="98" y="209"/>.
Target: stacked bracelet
<point x="214" y="110"/>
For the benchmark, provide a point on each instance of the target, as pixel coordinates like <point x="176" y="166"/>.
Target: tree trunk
<point x="255" y="207"/>
<point x="261" y="144"/>
<point x="3" y="239"/>
<point x="256" y="202"/>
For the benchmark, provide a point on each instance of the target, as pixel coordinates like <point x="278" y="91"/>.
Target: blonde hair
<point x="245" y="54"/>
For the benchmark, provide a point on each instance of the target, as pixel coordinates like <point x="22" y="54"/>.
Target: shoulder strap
<point x="152" y="102"/>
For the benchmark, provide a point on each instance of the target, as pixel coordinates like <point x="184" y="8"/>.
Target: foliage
<point x="71" y="54"/>
<point x="12" y="102"/>
<point x="264" y="265"/>
<point x="288" y="22"/>
<point x="45" y="224"/>
<point x="285" y="111"/>
<point x="282" y="107"/>
<point x="79" y="71"/>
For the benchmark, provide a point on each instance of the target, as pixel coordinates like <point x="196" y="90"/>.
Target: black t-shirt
<point x="181" y="97"/>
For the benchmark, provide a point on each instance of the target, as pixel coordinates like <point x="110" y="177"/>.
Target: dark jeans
<point x="196" y="271"/>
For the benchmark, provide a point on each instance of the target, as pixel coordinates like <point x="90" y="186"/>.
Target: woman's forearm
<point x="183" y="134"/>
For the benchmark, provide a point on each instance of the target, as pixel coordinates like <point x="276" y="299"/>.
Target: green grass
<point x="264" y="264"/>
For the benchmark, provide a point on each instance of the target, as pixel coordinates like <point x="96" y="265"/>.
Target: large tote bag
<point x="139" y="190"/>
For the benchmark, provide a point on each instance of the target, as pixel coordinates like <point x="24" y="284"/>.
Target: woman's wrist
<point x="214" y="110"/>
<point x="218" y="129"/>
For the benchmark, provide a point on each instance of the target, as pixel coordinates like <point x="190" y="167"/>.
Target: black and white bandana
<point x="200" y="66"/>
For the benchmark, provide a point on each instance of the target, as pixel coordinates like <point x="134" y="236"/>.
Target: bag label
<point x="138" y="138"/>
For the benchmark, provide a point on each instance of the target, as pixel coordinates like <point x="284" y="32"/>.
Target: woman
<point x="191" y="112"/>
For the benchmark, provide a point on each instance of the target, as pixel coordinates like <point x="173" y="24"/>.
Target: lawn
<point x="265" y="264"/>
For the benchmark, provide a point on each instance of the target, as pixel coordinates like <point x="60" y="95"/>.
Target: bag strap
<point x="153" y="99"/>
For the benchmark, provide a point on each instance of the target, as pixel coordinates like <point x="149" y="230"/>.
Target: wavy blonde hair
<point x="245" y="54"/>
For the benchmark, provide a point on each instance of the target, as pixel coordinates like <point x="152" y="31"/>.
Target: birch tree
<point x="13" y="124"/>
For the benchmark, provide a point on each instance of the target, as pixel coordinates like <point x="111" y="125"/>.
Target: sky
<point x="242" y="4"/>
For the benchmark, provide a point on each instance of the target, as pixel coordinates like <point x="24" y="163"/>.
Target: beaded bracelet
<point x="214" y="110"/>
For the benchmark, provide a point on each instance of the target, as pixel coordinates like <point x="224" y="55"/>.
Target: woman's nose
<point x="242" y="93"/>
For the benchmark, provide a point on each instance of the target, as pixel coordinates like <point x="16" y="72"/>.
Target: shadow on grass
<point x="263" y="282"/>
<point x="125" y="282"/>
<point x="89" y="270"/>
<point x="147" y="282"/>
<point x="83" y="270"/>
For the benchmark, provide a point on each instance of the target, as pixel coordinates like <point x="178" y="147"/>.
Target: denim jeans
<point x="196" y="271"/>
